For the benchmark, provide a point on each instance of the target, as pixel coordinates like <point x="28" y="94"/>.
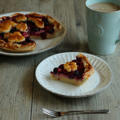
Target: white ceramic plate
<point x="42" y="45"/>
<point x="100" y="80"/>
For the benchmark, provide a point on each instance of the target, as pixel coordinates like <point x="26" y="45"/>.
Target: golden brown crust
<point x="14" y="37"/>
<point x="2" y="43"/>
<point x="70" y="66"/>
<point x="19" y="17"/>
<point x="1" y="19"/>
<point x="35" y="14"/>
<point x="38" y="22"/>
<point x="67" y="80"/>
<point x="6" y="26"/>
<point x="14" y="47"/>
<point x="22" y="27"/>
<point x="57" y="25"/>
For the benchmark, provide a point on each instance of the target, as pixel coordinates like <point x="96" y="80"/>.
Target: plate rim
<point x="77" y="96"/>
<point x="34" y="52"/>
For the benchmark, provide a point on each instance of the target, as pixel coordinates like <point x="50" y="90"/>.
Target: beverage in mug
<point x="104" y="7"/>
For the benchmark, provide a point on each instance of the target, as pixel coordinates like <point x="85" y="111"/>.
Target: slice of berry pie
<point x="75" y="72"/>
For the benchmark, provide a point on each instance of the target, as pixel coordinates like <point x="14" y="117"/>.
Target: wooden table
<point x="21" y="97"/>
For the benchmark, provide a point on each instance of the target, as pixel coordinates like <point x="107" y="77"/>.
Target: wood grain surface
<point x="21" y="97"/>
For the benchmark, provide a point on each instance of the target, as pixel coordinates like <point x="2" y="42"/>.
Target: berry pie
<point x="75" y="72"/>
<point x="16" y="31"/>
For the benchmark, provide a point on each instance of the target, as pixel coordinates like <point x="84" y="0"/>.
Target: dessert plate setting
<point x="41" y="45"/>
<point x="99" y="81"/>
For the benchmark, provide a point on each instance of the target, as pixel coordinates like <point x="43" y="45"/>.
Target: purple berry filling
<point x="27" y="40"/>
<point x="78" y="74"/>
<point x="1" y="35"/>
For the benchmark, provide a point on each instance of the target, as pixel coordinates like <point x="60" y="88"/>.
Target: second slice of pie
<point x="75" y="72"/>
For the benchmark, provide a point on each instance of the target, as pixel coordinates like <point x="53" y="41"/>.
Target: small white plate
<point x="100" y="80"/>
<point x="41" y="45"/>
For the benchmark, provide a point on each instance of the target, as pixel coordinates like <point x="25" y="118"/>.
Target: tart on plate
<point x="75" y="72"/>
<point x="17" y="30"/>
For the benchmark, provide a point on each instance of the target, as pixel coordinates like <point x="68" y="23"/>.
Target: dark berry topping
<point x="6" y="18"/>
<point x="73" y="60"/>
<point x="45" y="20"/>
<point x="71" y="76"/>
<point x="55" y="70"/>
<point x="76" y="73"/>
<point x="32" y="27"/>
<point x="78" y="59"/>
<point x="25" y="34"/>
<point x="35" y="29"/>
<point x="27" y="39"/>
<point x="59" y="70"/>
<point x="61" y="66"/>
<point x="30" y="23"/>
<point x="51" y="30"/>
<point x="13" y="30"/>
<point x="1" y="35"/>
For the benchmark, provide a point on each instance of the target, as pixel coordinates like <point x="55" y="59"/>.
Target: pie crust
<point x="17" y="30"/>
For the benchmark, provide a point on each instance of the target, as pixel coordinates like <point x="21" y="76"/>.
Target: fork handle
<point x="102" y="111"/>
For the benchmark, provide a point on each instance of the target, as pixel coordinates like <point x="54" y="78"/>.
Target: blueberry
<point x="1" y="35"/>
<point x="13" y="30"/>
<point x="27" y="39"/>
<point x="76" y="73"/>
<point x="71" y="76"/>
<point x="55" y="70"/>
<point x="73" y="60"/>
<point x="61" y="66"/>
<point x="8" y="18"/>
<point x="59" y="70"/>
<point x="78" y="59"/>
<point x="45" y="21"/>
<point x="51" y="30"/>
<point x="30" y="23"/>
<point x="24" y="42"/>
<point x="35" y="29"/>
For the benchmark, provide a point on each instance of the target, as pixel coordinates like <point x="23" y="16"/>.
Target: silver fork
<point x="53" y="113"/>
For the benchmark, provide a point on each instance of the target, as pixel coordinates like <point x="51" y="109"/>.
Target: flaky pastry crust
<point x="19" y="17"/>
<point x="22" y="27"/>
<point x="6" y="26"/>
<point x="14" y="37"/>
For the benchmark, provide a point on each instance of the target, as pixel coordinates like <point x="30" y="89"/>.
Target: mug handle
<point x="117" y="41"/>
